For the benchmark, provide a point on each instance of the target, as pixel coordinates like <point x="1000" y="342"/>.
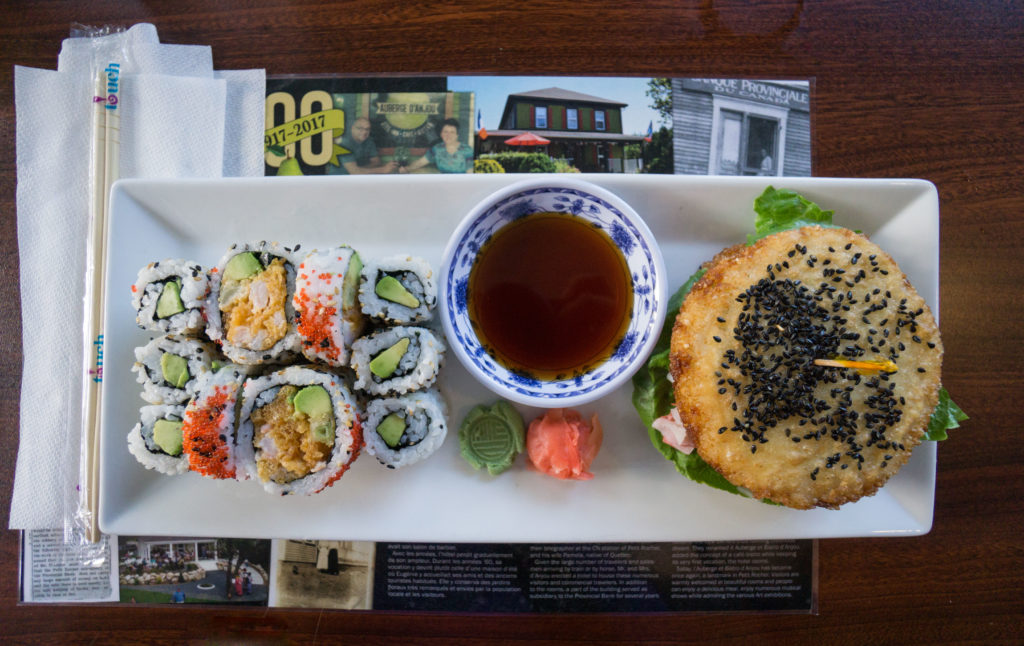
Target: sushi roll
<point x="326" y="303"/>
<point x="209" y="424"/>
<point x="398" y="290"/>
<point x="249" y="309"/>
<point x="169" y="297"/>
<point x="169" y="367"/>
<point x="400" y="431"/>
<point x="156" y="441"/>
<point x="299" y="430"/>
<point x="397" y="360"/>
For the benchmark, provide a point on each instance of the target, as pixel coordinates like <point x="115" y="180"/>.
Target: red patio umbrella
<point x="527" y="139"/>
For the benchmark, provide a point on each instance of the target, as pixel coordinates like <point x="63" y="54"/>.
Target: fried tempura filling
<point x="286" y="448"/>
<point x="254" y="313"/>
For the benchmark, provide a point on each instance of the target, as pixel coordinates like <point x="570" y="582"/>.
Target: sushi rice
<point x="144" y="447"/>
<point x="150" y="365"/>
<point x="186" y="306"/>
<point x="417" y="368"/>
<point x="416" y="279"/>
<point x="326" y="304"/>
<point x="422" y="413"/>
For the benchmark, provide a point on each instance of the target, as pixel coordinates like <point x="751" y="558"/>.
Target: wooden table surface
<point x="901" y="89"/>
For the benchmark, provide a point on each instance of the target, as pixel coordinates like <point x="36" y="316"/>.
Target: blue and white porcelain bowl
<point x="602" y="209"/>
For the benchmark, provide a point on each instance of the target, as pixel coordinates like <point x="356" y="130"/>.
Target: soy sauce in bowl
<point x="550" y="295"/>
<point x="552" y="292"/>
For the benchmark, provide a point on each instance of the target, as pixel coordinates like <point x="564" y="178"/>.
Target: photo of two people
<point x="381" y="133"/>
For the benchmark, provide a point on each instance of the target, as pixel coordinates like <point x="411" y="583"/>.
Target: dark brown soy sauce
<point x="550" y="295"/>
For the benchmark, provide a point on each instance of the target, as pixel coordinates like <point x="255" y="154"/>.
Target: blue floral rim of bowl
<point x="643" y="262"/>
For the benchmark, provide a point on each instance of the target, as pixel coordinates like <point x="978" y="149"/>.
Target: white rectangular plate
<point x="636" y="494"/>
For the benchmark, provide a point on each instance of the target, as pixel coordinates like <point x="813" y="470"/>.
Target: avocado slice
<point x="169" y="302"/>
<point x="175" y="369"/>
<point x="391" y="289"/>
<point x="391" y="429"/>
<point x="314" y="402"/>
<point x="350" y="284"/>
<point x="167" y="435"/>
<point x="385" y="363"/>
<point x="242" y="266"/>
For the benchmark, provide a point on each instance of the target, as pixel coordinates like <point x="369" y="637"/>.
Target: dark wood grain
<point x="932" y="90"/>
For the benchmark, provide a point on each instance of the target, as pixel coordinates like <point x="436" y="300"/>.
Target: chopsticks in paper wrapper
<point x="104" y="172"/>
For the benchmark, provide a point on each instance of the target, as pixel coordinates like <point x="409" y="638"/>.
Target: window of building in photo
<point x="572" y="121"/>
<point x="746" y="138"/>
<point x="747" y="143"/>
<point x="598" y="119"/>
<point x="540" y="119"/>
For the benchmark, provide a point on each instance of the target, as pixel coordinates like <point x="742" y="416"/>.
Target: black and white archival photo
<point x="741" y="127"/>
<point x="322" y="574"/>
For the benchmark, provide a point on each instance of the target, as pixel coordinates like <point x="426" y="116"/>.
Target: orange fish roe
<point x="314" y="322"/>
<point x="207" y="448"/>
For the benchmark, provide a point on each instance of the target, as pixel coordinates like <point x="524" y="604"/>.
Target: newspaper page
<point x="55" y="571"/>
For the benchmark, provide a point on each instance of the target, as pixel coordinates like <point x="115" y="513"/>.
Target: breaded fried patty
<point x="761" y="411"/>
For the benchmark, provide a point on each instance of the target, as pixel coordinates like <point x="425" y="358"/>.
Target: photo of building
<point x="322" y="574"/>
<point x="741" y="127"/>
<point x="584" y="130"/>
<point x="564" y="124"/>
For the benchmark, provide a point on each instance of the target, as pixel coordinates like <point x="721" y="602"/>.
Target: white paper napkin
<point x="180" y="118"/>
<point x="51" y="231"/>
<point x="160" y="145"/>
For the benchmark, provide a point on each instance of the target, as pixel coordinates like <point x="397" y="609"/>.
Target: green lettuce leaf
<point x="653" y="398"/>
<point x="947" y="415"/>
<point x="782" y="209"/>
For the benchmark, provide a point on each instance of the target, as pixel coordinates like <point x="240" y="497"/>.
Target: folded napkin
<point x="173" y="104"/>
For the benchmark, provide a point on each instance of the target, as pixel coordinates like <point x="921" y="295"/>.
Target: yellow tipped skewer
<point x="873" y="366"/>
